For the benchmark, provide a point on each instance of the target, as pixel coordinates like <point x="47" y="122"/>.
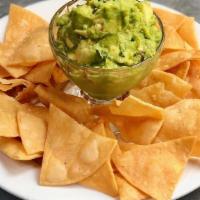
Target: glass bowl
<point x="100" y="83"/>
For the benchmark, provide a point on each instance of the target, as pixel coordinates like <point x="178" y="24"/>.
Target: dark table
<point x="189" y="7"/>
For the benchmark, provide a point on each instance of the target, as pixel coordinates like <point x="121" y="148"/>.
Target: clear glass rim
<point x="96" y="68"/>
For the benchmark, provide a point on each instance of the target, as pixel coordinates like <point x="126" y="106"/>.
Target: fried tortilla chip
<point x="103" y="180"/>
<point x="172" y="83"/>
<point x="155" y="169"/>
<point x="188" y="32"/>
<point x="8" y="112"/>
<point x="127" y="191"/>
<point x="156" y="94"/>
<point x="32" y="128"/>
<point x="173" y="40"/>
<point x="3" y="72"/>
<point x="134" y="107"/>
<point x="21" y="23"/>
<point x="59" y="76"/>
<point x="170" y="18"/>
<point x="14" y="149"/>
<point x="181" y="120"/>
<point x="41" y="73"/>
<point x="138" y="130"/>
<point x="74" y="106"/>
<point x="33" y="50"/>
<point x="182" y="70"/>
<point x="72" y="152"/>
<point x="171" y="60"/>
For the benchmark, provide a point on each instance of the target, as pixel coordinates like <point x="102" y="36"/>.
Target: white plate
<point x="21" y="179"/>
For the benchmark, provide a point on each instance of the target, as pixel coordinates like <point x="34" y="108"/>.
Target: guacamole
<point x="109" y="33"/>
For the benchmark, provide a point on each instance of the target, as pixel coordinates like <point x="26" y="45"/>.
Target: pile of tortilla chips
<point x="133" y="149"/>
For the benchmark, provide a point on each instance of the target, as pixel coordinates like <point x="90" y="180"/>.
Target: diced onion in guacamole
<point x="109" y="33"/>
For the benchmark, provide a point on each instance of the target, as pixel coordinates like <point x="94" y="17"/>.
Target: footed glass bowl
<point x="97" y="82"/>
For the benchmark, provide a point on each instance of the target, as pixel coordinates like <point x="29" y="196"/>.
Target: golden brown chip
<point x="173" y="40"/>
<point x="41" y="73"/>
<point x="134" y="107"/>
<point x="155" y="169"/>
<point x="170" y="18"/>
<point x="172" y="83"/>
<point x="59" y="76"/>
<point x="156" y="94"/>
<point x="72" y="152"/>
<point x="21" y="23"/>
<point x="32" y="128"/>
<point x="172" y="59"/>
<point x="103" y="180"/>
<point x="181" y="70"/>
<point x="127" y="191"/>
<point x="3" y="72"/>
<point x="8" y="112"/>
<point x="138" y="130"/>
<point x="181" y="120"/>
<point x="14" y="149"/>
<point x="34" y="49"/>
<point x="188" y="32"/>
<point x="74" y="106"/>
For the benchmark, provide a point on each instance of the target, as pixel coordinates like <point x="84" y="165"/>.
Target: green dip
<point x="109" y="33"/>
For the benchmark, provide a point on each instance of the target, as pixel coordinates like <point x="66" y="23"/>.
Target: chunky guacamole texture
<point x="109" y="33"/>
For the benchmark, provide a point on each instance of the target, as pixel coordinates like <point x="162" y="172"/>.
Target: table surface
<point x="189" y="7"/>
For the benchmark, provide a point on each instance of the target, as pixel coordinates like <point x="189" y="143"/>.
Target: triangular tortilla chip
<point x="170" y="18"/>
<point x="34" y="49"/>
<point x="182" y="70"/>
<point x="103" y="180"/>
<point x="72" y="152"/>
<point x="172" y="59"/>
<point x="181" y="120"/>
<point x="127" y="191"/>
<point x="172" y="83"/>
<point x="59" y="75"/>
<point x="13" y="148"/>
<point x="76" y="107"/>
<point x="138" y="130"/>
<point x="32" y="128"/>
<point x="3" y="73"/>
<point x="21" y="23"/>
<point x="134" y="107"/>
<point x="41" y="73"/>
<point x="173" y="40"/>
<point x="8" y="113"/>
<point x="155" y="169"/>
<point x="188" y="32"/>
<point x="156" y="94"/>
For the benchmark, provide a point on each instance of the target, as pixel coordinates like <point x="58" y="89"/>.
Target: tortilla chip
<point x="59" y="76"/>
<point x="6" y="51"/>
<point x="21" y="23"/>
<point x="171" y="60"/>
<point x="33" y="50"/>
<point x="8" y="112"/>
<point x="172" y="83"/>
<point x="99" y="129"/>
<point x="76" y="107"/>
<point x="103" y="180"/>
<point x="41" y="73"/>
<point x="127" y="191"/>
<point x="33" y="128"/>
<point x="138" y="130"/>
<point x="196" y="149"/>
<point x="72" y="152"/>
<point x="181" y="120"/>
<point x="3" y="73"/>
<point x="170" y="18"/>
<point x="8" y="84"/>
<point x="109" y="131"/>
<point x="156" y="94"/>
<point x="134" y="107"/>
<point x="173" y="40"/>
<point x="182" y="70"/>
<point x="13" y="149"/>
<point x="194" y="77"/>
<point x="188" y="32"/>
<point x="155" y="169"/>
